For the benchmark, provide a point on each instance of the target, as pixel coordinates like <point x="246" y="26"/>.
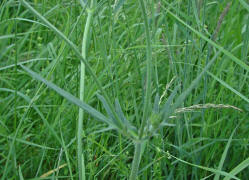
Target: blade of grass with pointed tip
<point x="223" y="157"/>
<point x="29" y="143"/>
<point x="69" y="97"/>
<point x="121" y="114"/>
<point x="127" y="124"/>
<point x="24" y="62"/>
<point x="66" y="153"/>
<point x="196" y="13"/>
<point x="107" y="108"/>
<point x="208" y="169"/>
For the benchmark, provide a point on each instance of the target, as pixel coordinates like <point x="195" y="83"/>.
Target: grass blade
<point x="223" y="157"/>
<point x="167" y="110"/>
<point x="244" y="164"/>
<point x="146" y="106"/>
<point x="229" y="87"/>
<point x="29" y="143"/>
<point x="227" y="53"/>
<point x="170" y="156"/>
<point x="204" y="168"/>
<point x="121" y="115"/>
<point x="69" y="97"/>
<point x="119" y="4"/>
<point x="244" y="4"/>
<point x="20" y="173"/>
<point x="156" y="106"/>
<point x="107" y="108"/>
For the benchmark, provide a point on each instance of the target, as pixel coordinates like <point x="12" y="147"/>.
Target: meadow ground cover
<point x="124" y="89"/>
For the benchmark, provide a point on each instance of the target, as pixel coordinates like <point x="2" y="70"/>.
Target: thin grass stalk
<point x="136" y="160"/>
<point x="86" y="37"/>
<point x="148" y="70"/>
<point x="138" y="152"/>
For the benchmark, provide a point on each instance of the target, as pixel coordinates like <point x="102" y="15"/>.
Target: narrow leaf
<point x="20" y="173"/>
<point x="244" y="4"/>
<point x="121" y="115"/>
<point x="226" y="52"/>
<point x="107" y="108"/>
<point x="244" y="164"/>
<point x="198" y="166"/>
<point x="28" y="143"/>
<point x="118" y="6"/>
<point x="156" y="107"/>
<point x="69" y="97"/>
<point x="228" y="87"/>
<point x="222" y="160"/>
<point x="167" y="107"/>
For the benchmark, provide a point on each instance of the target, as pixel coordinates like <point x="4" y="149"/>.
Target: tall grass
<point x="123" y="100"/>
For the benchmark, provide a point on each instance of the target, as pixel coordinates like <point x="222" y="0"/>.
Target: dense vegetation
<point x="164" y="89"/>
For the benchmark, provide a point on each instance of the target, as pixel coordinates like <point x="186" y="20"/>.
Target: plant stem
<point x="148" y="71"/>
<point x="136" y="160"/>
<point x="81" y="164"/>
<point x="146" y="108"/>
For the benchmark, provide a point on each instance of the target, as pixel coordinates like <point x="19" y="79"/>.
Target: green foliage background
<point x="117" y="54"/>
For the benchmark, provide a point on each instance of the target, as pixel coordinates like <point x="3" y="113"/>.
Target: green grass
<point x="160" y="93"/>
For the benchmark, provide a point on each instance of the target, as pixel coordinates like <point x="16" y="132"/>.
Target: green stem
<point x="138" y="152"/>
<point x="136" y="161"/>
<point x="148" y="71"/>
<point x="81" y="164"/>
